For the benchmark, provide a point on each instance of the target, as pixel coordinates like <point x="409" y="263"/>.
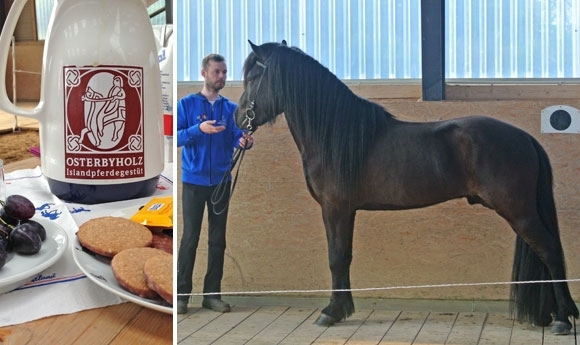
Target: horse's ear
<point x="262" y="51"/>
<point x="284" y="43"/>
<point x="252" y="45"/>
<point x="256" y="49"/>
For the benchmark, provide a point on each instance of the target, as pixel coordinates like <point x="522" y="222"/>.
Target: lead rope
<point x="218" y="194"/>
<point x="575" y="336"/>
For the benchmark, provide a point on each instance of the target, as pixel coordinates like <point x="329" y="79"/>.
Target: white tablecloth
<point x="63" y="288"/>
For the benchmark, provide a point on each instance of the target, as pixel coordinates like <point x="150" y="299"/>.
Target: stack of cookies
<point x="141" y="260"/>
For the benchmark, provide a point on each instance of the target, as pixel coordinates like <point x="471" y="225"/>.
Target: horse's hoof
<point x="561" y="328"/>
<point x="325" y="320"/>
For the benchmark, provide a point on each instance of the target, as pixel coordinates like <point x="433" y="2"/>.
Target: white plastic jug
<point x="100" y="111"/>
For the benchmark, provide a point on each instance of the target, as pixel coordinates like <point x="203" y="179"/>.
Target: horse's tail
<point x="531" y="302"/>
<point x="536" y="302"/>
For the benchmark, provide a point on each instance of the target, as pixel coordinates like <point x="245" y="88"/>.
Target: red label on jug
<point x="103" y="122"/>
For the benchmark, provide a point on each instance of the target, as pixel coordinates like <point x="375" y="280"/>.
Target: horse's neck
<point x="298" y="138"/>
<point x="311" y="158"/>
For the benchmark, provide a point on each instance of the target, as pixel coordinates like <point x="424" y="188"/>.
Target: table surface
<point x="125" y="323"/>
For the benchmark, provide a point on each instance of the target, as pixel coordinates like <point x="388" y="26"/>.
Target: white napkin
<point x="67" y="290"/>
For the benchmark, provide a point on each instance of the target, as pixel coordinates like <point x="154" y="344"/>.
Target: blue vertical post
<point x="433" y="49"/>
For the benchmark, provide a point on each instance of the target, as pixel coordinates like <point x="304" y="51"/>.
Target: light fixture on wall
<point x="560" y="119"/>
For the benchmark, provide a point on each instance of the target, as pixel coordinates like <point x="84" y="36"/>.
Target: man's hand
<point x="209" y="128"/>
<point x="246" y="141"/>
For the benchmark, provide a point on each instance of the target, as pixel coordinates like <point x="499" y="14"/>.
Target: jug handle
<point x="5" y="38"/>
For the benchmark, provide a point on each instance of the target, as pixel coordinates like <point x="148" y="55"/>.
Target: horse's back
<point x="416" y="164"/>
<point x="485" y="140"/>
<point x="500" y="162"/>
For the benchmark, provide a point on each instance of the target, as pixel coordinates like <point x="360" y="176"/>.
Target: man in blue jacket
<point x="208" y="135"/>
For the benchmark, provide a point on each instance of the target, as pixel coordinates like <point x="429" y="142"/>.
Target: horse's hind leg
<point x="546" y="247"/>
<point x="339" y="224"/>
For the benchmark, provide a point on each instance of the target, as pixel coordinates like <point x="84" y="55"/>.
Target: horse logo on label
<point x="103" y="121"/>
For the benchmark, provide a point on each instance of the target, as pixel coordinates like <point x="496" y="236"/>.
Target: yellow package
<point x="157" y="213"/>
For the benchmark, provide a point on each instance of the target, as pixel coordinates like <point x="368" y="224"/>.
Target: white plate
<point x="98" y="269"/>
<point x="19" y="269"/>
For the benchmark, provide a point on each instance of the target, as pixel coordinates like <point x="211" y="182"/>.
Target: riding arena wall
<point x="276" y="242"/>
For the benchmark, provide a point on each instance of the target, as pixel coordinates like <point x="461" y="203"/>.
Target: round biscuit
<point x="108" y="236"/>
<point x="158" y="272"/>
<point x="127" y="268"/>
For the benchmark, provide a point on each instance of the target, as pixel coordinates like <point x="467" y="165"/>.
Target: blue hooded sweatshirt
<point x="205" y="158"/>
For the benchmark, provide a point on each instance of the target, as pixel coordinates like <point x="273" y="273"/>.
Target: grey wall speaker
<point x="560" y="119"/>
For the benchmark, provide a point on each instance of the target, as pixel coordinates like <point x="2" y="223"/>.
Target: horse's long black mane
<point x="325" y="113"/>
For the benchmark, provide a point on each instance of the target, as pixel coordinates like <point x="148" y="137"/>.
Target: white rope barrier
<point x="402" y="287"/>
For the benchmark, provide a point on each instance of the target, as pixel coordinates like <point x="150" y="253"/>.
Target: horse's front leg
<point x="339" y="224"/>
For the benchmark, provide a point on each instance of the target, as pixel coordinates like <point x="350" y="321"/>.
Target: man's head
<point x="214" y="71"/>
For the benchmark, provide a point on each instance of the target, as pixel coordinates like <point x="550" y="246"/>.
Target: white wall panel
<point x="380" y="39"/>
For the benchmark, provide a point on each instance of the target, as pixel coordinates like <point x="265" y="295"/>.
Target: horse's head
<point x="258" y="104"/>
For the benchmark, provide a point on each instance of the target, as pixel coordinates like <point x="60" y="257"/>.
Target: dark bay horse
<point x="357" y="156"/>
